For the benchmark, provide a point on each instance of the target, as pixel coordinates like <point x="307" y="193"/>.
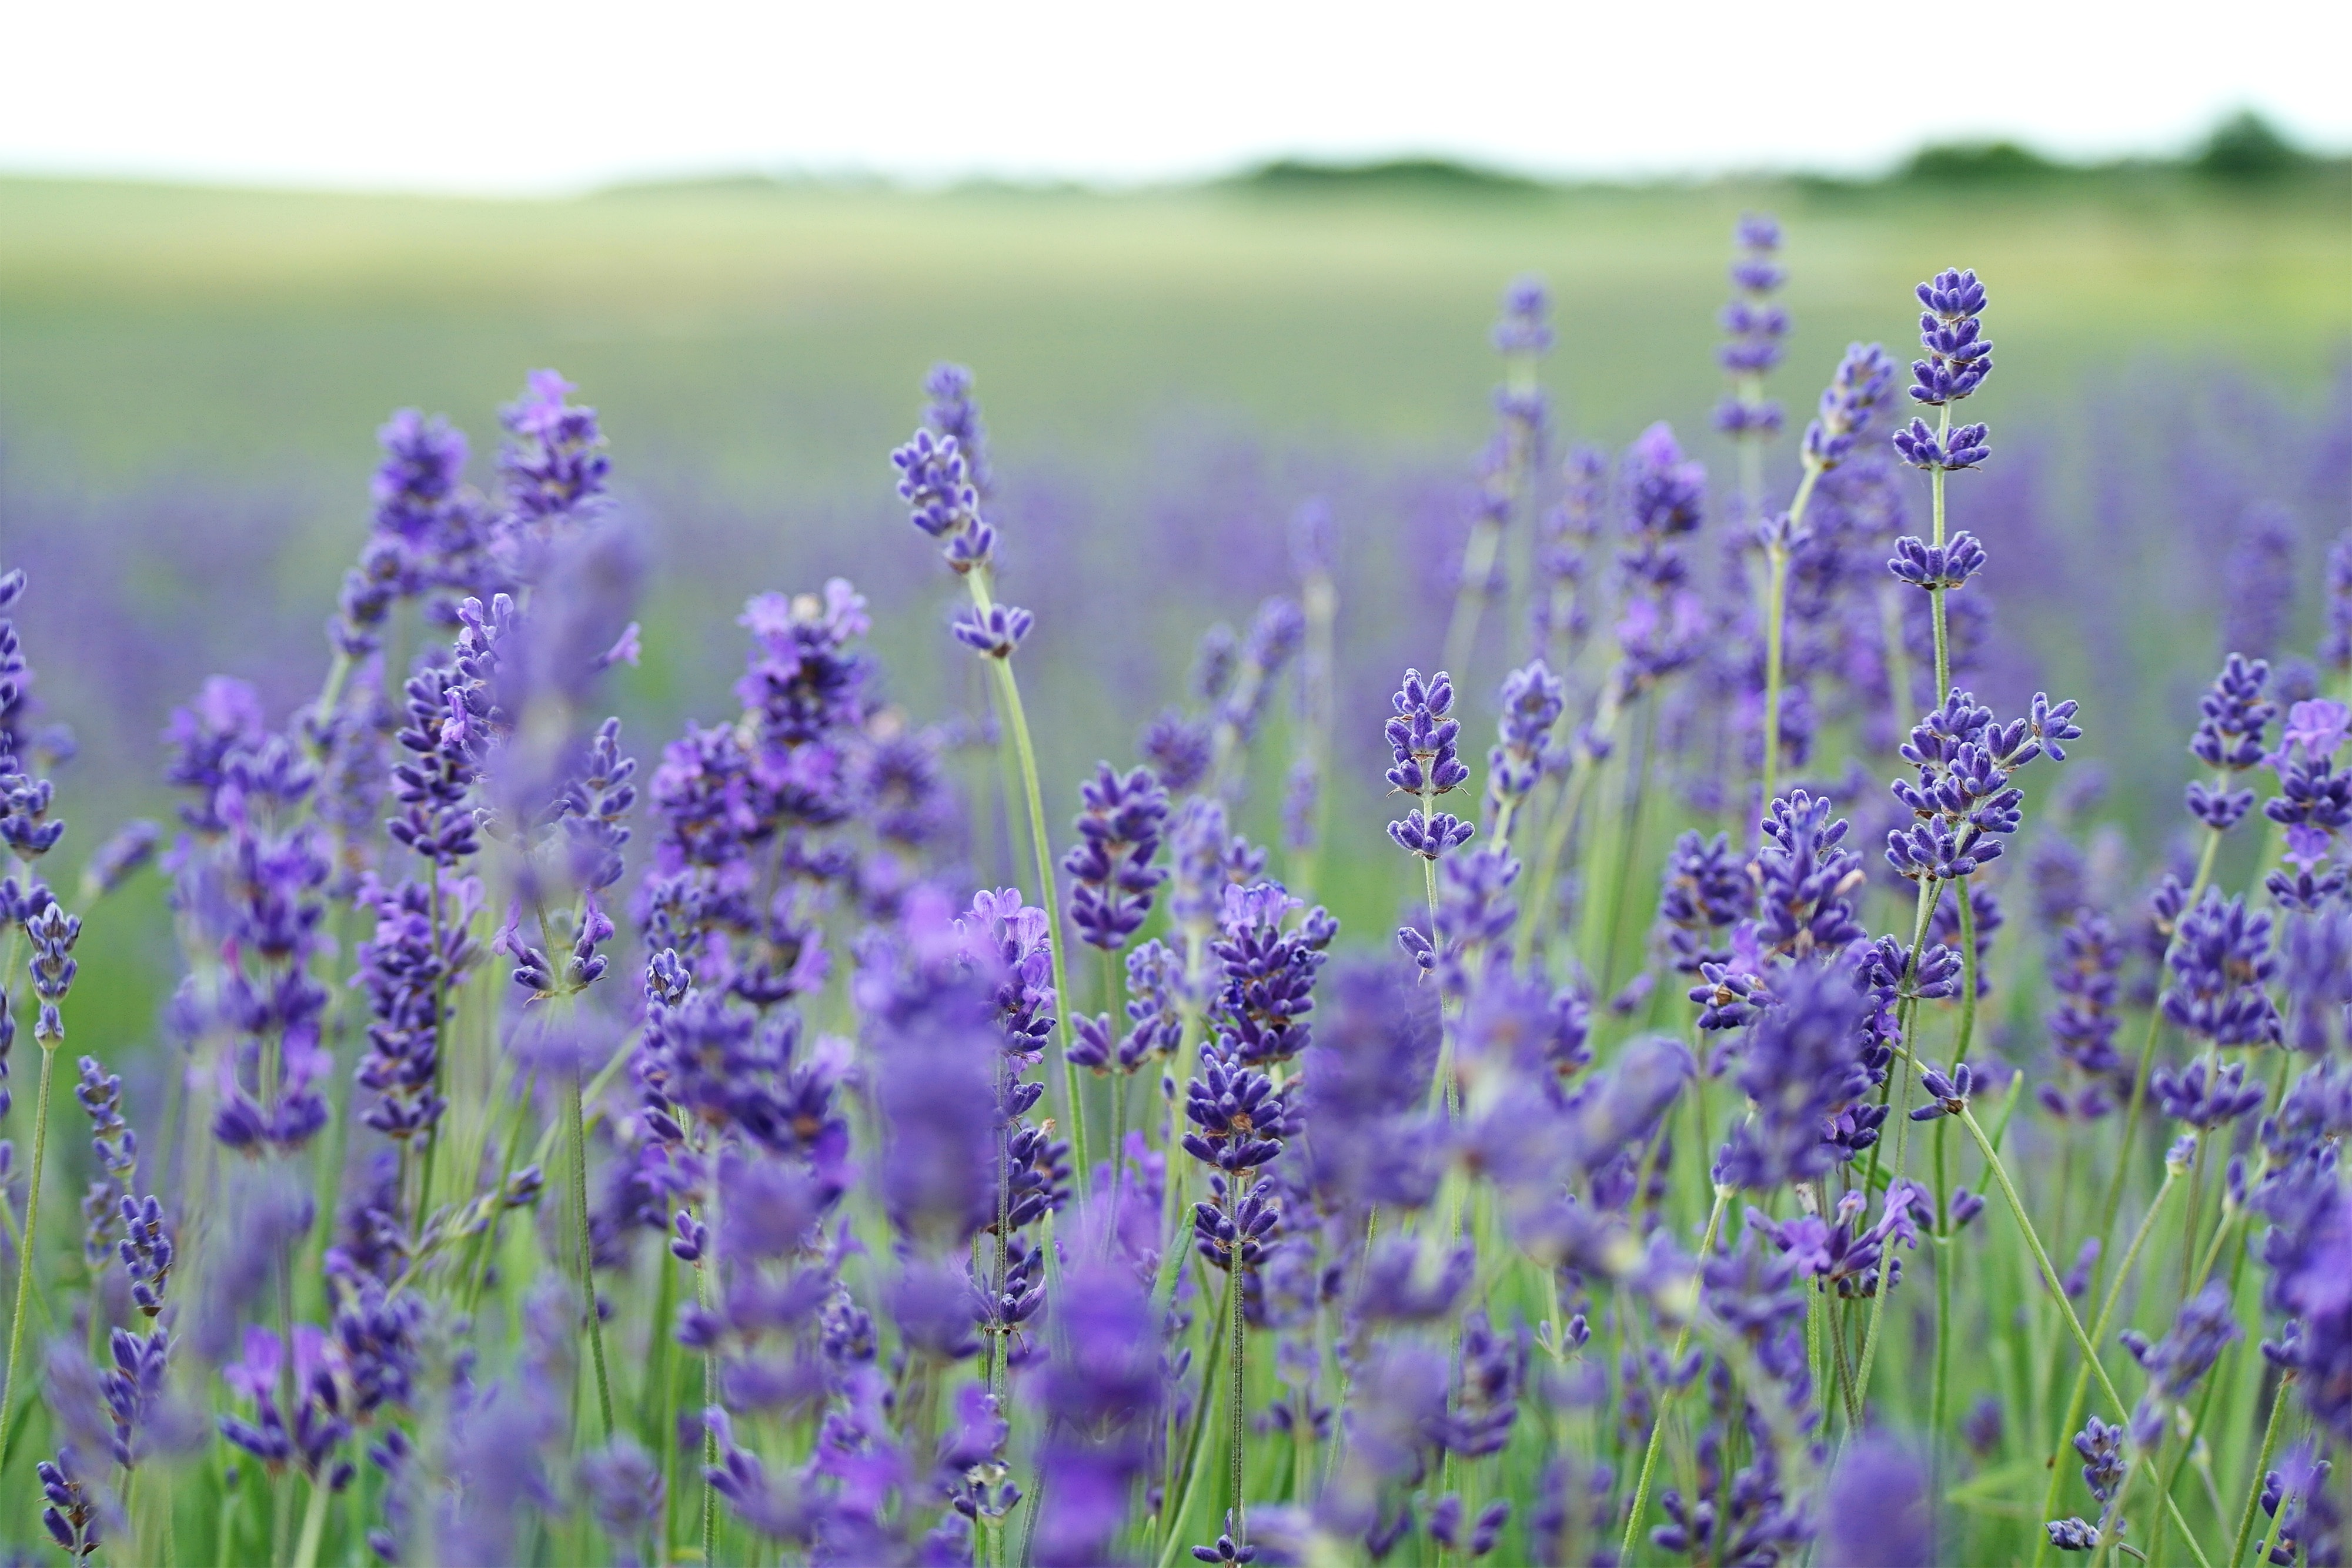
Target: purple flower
<point x="53" y="934"/>
<point x="1963" y="802"/>
<point x="1705" y="890"/>
<point x="953" y="414"/>
<point x="1525" y="328"/>
<point x="2205" y="1097"/>
<point x="1875" y="1511"/>
<point x="1803" y="877"/>
<point x="1431" y="836"/>
<point x="1178" y="748"/>
<point x="1949" y="1092"/>
<point x="1258" y="1012"/>
<point x="2258" y="583"/>
<point x="1752" y="325"/>
<point x="2222" y="963"/>
<point x="1241" y="1120"/>
<point x="2231" y="716"/>
<point x="1958" y="357"/>
<point x="1533" y="700"/>
<point x="936" y="483"/>
<point x="1799" y="1066"/>
<point x="1423" y="739"/>
<point x="2203" y="1330"/>
<point x="622" y="1485"/>
<point x="2335" y="647"/>
<point x="72" y="1514"/>
<point x="2318" y="726"/>
<point x="2084" y="972"/>
<point x="1938" y="568"/>
<point x="553" y="461"/>
<point x="114" y="861"/>
<point x="1854" y="394"/>
<point x="994" y="633"/>
<point x="1665" y="497"/>
<point x="1101" y="1391"/>
<point x="1965" y="446"/>
<point x="1113" y="878"/>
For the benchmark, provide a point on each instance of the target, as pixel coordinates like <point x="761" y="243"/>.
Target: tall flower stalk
<point x="1846" y="405"/>
<point x="1506" y="469"/>
<point x="936" y="481"/>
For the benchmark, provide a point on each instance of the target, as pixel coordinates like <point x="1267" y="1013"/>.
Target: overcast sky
<point x="501" y="95"/>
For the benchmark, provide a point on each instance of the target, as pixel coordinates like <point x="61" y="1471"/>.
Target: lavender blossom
<point x="1112" y="876"/>
<point x="1533" y="700"/>
<point x="1799" y="1067"/>
<point x="1753" y="327"/>
<point x="1857" y="387"/>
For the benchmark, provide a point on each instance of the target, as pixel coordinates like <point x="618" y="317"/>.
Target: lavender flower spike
<point x="1959" y="357"/>
<point x="1854" y="394"/>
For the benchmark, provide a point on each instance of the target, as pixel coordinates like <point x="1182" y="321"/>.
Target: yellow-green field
<point x="773" y="335"/>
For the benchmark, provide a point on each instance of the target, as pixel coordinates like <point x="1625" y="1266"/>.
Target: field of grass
<point x="771" y="337"/>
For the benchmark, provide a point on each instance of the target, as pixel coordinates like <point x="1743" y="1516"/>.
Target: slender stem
<point x="1939" y="1396"/>
<point x="657" y="1407"/>
<point x="1050" y="899"/>
<point x="25" y="1251"/>
<point x="314" y="1525"/>
<point x="586" y="1256"/>
<point x="1564" y="823"/>
<point x="1935" y="595"/>
<point x="1470" y="597"/>
<point x="1776" y="599"/>
<point x="709" y="1438"/>
<point x="2058" y="1290"/>
<point x="2057" y="1465"/>
<point x="2262" y="1469"/>
<point x="1666" y="1395"/>
<point x="1188" y="1477"/>
<point x="1930" y="893"/>
<point x="993" y="1368"/>
<point x="487" y="1248"/>
<point x="2147" y="1047"/>
<point x="1238" y="1435"/>
<point x="1776" y="602"/>
<point x="440" y="1059"/>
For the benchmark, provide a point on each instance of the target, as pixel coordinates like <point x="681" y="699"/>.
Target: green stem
<point x="1666" y="1396"/>
<point x="314" y="1525"/>
<point x="1188" y="1477"/>
<point x="1939" y="1396"/>
<point x="487" y="1248"/>
<point x="2058" y="1290"/>
<point x="2148" y="1048"/>
<point x="2262" y="1469"/>
<point x="1930" y="893"/>
<point x="1775" y="599"/>
<point x="25" y="1253"/>
<point x="1564" y="823"/>
<point x="586" y="1256"/>
<point x="1238" y="1420"/>
<point x="2082" y="1395"/>
<point x="1935" y="595"/>
<point x="440" y="1062"/>
<point x="1050" y="899"/>
<point x="1775" y="615"/>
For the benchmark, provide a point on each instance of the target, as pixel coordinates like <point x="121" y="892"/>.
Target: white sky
<point x="510" y="95"/>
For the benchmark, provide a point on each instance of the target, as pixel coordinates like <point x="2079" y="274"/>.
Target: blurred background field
<point x="190" y="379"/>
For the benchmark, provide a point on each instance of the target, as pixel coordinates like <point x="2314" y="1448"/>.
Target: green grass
<point x="773" y="336"/>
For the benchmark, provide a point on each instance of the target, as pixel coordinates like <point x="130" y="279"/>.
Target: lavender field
<point x="1757" y="973"/>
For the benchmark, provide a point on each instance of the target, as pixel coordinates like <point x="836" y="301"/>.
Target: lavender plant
<point x="748" y="1223"/>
